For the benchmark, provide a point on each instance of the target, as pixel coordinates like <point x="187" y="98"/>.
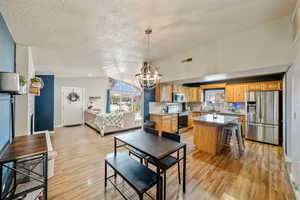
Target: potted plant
<point x="36" y="82"/>
<point x="22" y="83"/>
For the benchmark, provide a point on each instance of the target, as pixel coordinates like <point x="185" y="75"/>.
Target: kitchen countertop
<point x="160" y="113"/>
<point x="222" y="113"/>
<point x="220" y="120"/>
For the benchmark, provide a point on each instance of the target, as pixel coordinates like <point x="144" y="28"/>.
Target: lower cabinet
<point x="243" y="122"/>
<point x="191" y="115"/>
<point x="168" y="123"/>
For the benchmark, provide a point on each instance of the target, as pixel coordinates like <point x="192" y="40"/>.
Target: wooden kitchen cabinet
<point x="178" y="88"/>
<point x="163" y="92"/>
<point x="254" y="86"/>
<point x="168" y="123"/>
<point x="190" y="116"/>
<point x="242" y="120"/>
<point x="193" y="94"/>
<point x="235" y="93"/>
<point x="174" y="124"/>
<point x="271" y="86"/>
<point x="229" y="93"/>
<point x="240" y="93"/>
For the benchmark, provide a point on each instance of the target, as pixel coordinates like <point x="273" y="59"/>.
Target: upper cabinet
<point x="254" y="86"/>
<point x="193" y="94"/>
<point x="265" y="86"/>
<point x="235" y="93"/>
<point x="163" y="92"/>
<point x="272" y="86"/>
<point x="229" y="93"/>
<point x="178" y="88"/>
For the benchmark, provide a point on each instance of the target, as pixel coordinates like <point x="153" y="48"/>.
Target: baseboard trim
<point x="294" y="187"/>
<point x="37" y="132"/>
<point x="58" y="126"/>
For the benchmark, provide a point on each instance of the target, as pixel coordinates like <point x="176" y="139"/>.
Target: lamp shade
<point x="9" y="82"/>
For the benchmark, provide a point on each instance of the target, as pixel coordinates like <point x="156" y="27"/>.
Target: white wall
<point x="94" y="86"/>
<point x="293" y="115"/>
<point x="263" y="46"/>
<point x="25" y="103"/>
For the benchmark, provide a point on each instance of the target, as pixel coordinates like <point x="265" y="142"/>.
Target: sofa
<point x="131" y="120"/>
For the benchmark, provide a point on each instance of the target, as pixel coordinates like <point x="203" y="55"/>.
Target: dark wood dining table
<point x="154" y="146"/>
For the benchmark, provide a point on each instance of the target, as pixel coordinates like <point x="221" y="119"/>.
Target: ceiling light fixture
<point x="149" y="76"/>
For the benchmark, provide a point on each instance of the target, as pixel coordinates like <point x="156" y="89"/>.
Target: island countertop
<point x="219" y="120"/>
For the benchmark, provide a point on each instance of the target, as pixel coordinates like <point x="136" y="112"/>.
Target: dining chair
<point x="168" y="162"/>
<point x="140" y="155"/>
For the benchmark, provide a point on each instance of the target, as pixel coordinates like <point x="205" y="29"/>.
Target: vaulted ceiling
<point x="106" y="37"/>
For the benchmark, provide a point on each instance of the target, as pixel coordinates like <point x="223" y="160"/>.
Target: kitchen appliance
<point x="263" y="116"/>
<point x="182" y="121"/>
<point x="173" y="108"/>
<point x="178" y="97"/>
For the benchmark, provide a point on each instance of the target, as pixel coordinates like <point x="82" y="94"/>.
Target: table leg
<point x="46" y="176"/>
<point x="184" y="168"/>
<point x="105" y="174"/>
<point x="158" y="185"/>
<point x="115" y="146"/>
<point x="115" y="154"/>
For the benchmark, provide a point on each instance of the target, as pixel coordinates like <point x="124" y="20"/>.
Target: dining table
<point x="154" y="146"/>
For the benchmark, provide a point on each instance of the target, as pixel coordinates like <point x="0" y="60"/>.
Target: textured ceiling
<point x="106" y="37"/>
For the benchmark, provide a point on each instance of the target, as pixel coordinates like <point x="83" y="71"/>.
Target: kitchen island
<point x="208" y="132"/>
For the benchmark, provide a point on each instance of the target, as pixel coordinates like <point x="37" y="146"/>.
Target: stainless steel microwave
<point x="178" y="97"/>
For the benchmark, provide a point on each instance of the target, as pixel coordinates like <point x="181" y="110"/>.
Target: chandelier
<point x="148" y="77"/>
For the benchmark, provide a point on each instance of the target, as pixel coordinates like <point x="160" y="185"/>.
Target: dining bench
<point x="139" y="177"/>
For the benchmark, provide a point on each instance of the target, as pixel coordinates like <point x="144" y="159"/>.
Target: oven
<point x="183" y="121"/>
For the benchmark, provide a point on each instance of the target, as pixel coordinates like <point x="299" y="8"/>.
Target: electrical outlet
<point x="295" y="115"/>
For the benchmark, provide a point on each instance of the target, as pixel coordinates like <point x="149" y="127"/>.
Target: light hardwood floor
<point x="79" y="171"/>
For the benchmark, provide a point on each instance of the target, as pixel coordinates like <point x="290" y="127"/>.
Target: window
<point x="124" y="98"/>
<point x="214" y="95"/>
<point x="124" y="102"/>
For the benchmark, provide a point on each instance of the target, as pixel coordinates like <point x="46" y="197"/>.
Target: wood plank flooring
<point x="79" y="171"/>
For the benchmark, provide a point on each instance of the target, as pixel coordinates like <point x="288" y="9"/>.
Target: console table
<point x="25" y="161"/>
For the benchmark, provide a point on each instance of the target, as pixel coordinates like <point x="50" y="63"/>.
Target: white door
<point x="72" y="105"/>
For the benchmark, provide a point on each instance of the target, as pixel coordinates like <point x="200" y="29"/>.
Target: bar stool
<point x="232" y="133"/>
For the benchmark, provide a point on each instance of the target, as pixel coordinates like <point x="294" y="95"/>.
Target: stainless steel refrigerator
<point x="263" y="116"/>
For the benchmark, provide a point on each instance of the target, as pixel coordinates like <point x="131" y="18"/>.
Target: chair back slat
<point x="150" y="130"/>
<point x="171" y="136"/>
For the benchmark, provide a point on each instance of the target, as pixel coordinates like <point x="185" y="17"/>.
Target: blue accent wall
<point x="44" y="105"/>
<point x="149" y="96"/>
<point x="7" y="64"/>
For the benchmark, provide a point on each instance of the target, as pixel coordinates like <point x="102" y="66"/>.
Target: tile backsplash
<point x="219" y="107"/>
<point x="157" y="107"/>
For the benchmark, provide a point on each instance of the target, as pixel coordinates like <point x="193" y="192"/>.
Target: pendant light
<point x="148" y="77"/>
